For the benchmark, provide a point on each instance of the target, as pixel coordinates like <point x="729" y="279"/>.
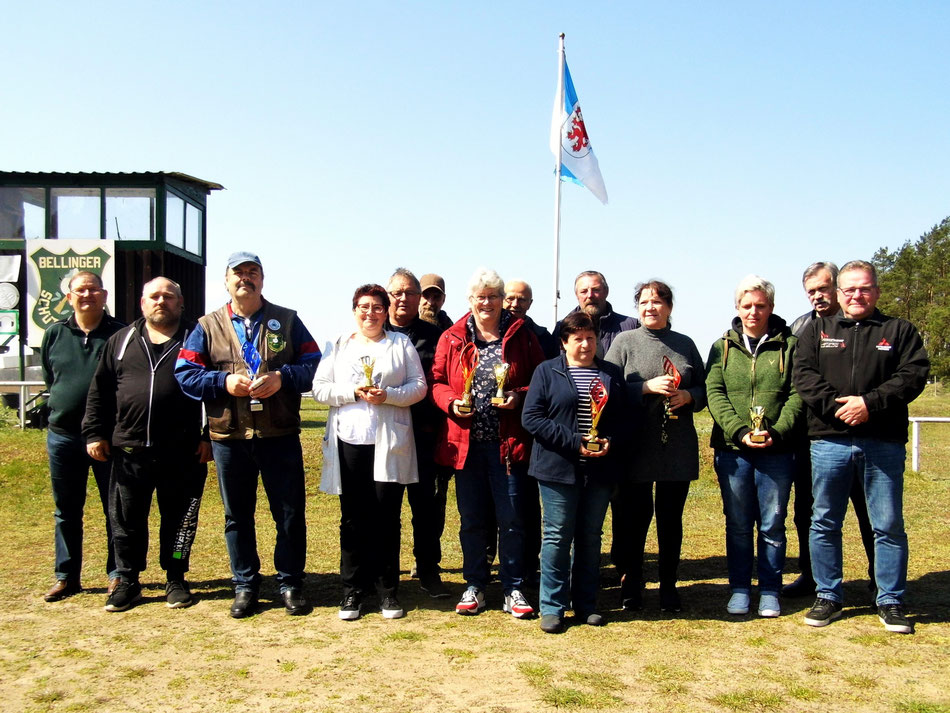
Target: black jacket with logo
<point x="134" y="398"/>
<point x="880" y="358"/>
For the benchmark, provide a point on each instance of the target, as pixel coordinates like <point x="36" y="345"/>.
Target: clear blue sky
<point x="353" y="138"/>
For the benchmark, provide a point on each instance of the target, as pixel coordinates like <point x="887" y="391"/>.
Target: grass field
<point x="73" y="656"/>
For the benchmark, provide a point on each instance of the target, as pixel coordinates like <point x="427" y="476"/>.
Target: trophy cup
<point x="759" y="433"/>
<point x="598" y="399"/>
<point x="501" y="376"/>
<point x="669" y="368"/>
<point x="468" y="360"/>
<point x="252" y="360"/>
<point x="367" y="363"/>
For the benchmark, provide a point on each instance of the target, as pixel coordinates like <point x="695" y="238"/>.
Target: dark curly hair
<point x="573" y="323"/>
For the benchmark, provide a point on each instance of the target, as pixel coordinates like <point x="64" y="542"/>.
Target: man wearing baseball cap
<point x="433" y="297"/>
<point x="249" y="361"/>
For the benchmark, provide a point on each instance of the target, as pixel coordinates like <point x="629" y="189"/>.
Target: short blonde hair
<point x="754" y="283"/>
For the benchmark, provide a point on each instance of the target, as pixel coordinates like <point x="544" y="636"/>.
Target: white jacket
<point x="402" y="377"/>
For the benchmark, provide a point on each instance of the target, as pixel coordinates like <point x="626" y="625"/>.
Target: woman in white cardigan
<point x="369" y="378"/>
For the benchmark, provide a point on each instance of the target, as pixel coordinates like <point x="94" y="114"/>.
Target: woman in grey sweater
<point x="666" y="383"/>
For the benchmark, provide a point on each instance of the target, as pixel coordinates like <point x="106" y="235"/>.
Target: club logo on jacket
<point x="275" y="341"/>
<point x="830" y="343"/>
<point x="883" y="345"/>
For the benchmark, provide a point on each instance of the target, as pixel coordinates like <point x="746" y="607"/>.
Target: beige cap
<point x="432" y="280"/>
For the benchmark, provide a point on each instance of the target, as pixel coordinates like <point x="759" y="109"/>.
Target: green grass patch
<point x="564" y="697"/>
<point x="538" y="675"/>
<point x="909" y="706"/>
<point x="405" y="635"/>
<point x="749" y="700"/>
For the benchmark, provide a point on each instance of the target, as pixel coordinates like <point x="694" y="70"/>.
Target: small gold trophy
<point x="468" y="360"/>
<point x="598" y="399"/>
<point x="501" y="376"/>
<point x="759" y="432"/>
<point x="368" y="363"/>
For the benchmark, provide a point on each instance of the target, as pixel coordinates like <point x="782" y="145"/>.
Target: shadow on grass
<point x="318" y="423"/>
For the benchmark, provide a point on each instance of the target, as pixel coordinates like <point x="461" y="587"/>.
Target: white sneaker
<point x="472" y="601"/>
<point x="516" y="605"/>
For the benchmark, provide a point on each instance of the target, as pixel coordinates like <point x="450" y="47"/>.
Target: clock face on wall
<point x="9" y="295"/>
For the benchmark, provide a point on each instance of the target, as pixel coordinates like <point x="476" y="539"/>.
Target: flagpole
<point x="557" y="182"/>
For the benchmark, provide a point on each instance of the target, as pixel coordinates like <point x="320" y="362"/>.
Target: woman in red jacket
<point x="487" y="446"/>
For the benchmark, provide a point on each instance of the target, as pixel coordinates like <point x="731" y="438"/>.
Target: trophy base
<point x="498" y="400"/>
<point x="759" y="436"/>
<point x="464" y="410"/>
<point x="594" y="446"/>
<point x="257" y="406"/>
<point x="673" y="417"/>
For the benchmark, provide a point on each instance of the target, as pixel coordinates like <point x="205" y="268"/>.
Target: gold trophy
<point x="468" y="360"/>
<point x="501" y="376"/>
<point x="368" y="363"/>
<point x="598" y="399"/>
<point x="759" y="433"/>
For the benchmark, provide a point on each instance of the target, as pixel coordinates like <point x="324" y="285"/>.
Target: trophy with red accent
<point x="598" y="399"/>
<point x="669" y="368"/>
<point x="468" y="360"/>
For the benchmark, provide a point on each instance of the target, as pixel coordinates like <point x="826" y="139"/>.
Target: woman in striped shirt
<point x="575" y="474"/>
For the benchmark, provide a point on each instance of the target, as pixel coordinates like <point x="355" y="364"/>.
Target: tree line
<point x="915" y="285"/>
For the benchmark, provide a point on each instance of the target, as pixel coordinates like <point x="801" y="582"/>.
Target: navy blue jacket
<point x="550" y="415"/>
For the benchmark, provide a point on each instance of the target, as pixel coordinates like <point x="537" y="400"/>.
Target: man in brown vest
<point x="249" y="362"/>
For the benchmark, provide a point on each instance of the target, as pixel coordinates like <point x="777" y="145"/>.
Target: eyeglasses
<point x="399" y="294"/>
<point x="366" y="309"/>
<point x="850" y="292"/>
<point x="83" y="291"/>
<point x="485" y="298"/>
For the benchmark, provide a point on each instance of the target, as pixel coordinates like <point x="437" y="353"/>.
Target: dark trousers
<point x="427" y="504"/>
<point x="279" y="462"/>
<point x="803" y="512"/>
<point x="369" y="524"/>
<point x="638" y="507"/>
<point x="178" y="480"/>
<point x="69" y="473"/>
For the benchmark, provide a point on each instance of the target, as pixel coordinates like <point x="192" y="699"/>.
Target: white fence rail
<point x="25" y="397"/>
<point x="915" y="435"/>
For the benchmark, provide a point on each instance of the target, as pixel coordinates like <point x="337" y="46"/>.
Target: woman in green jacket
<point x="756" y="413"/>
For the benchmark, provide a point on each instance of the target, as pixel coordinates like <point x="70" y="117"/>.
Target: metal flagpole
<point x="559" y="97"/>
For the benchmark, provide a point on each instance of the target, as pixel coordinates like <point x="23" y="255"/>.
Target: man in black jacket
<point x="137" y="413"/>
<point x="819" y="282"/>
<point x="857" y="371"/>
<point x="427" y="497"/>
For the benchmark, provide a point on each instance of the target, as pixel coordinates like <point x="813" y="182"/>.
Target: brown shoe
<point x="62" y="589"/>
<point x="113" y="583"/>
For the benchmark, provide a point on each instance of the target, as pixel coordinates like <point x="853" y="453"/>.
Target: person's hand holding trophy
<point x="591" y="445"/>
<point x="503" y="399"/>
<point x="368" y="390"/>
<point x="759" y="436"/>
<point x="468" y="361"/>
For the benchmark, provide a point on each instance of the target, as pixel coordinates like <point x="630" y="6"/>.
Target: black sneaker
<point x="823" y="612"/>
<point x="631" y="593"/>
<point x="670" y="599"/>
<point x="893" y="618"/>
<point x="433" y="586"/>
<point x="177" y="594"/>
<point x="123" y="596"/>
<point x="350" y="606"/>
<point x="391" y="608"/>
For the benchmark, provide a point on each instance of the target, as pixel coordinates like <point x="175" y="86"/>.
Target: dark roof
<point x="47" y="176"/>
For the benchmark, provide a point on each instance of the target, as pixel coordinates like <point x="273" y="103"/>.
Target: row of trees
<point x="915" y="285"/>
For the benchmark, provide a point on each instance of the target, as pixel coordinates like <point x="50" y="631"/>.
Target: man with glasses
<point x="427" y="497"/>
<point x="819" y="282"/>
<point x="70" y="354"/>
<point x="249" y="362"/>
<point x="857" y="371"/>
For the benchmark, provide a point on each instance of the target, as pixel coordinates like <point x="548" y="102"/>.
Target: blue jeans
<point x="835" y="462"/>
<point x="279" y="461"/>
<point x="483" y="486"/>
<point x="69" y="472"/>
<point x="755" y="488"/>
<point x="573" y="514"/>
